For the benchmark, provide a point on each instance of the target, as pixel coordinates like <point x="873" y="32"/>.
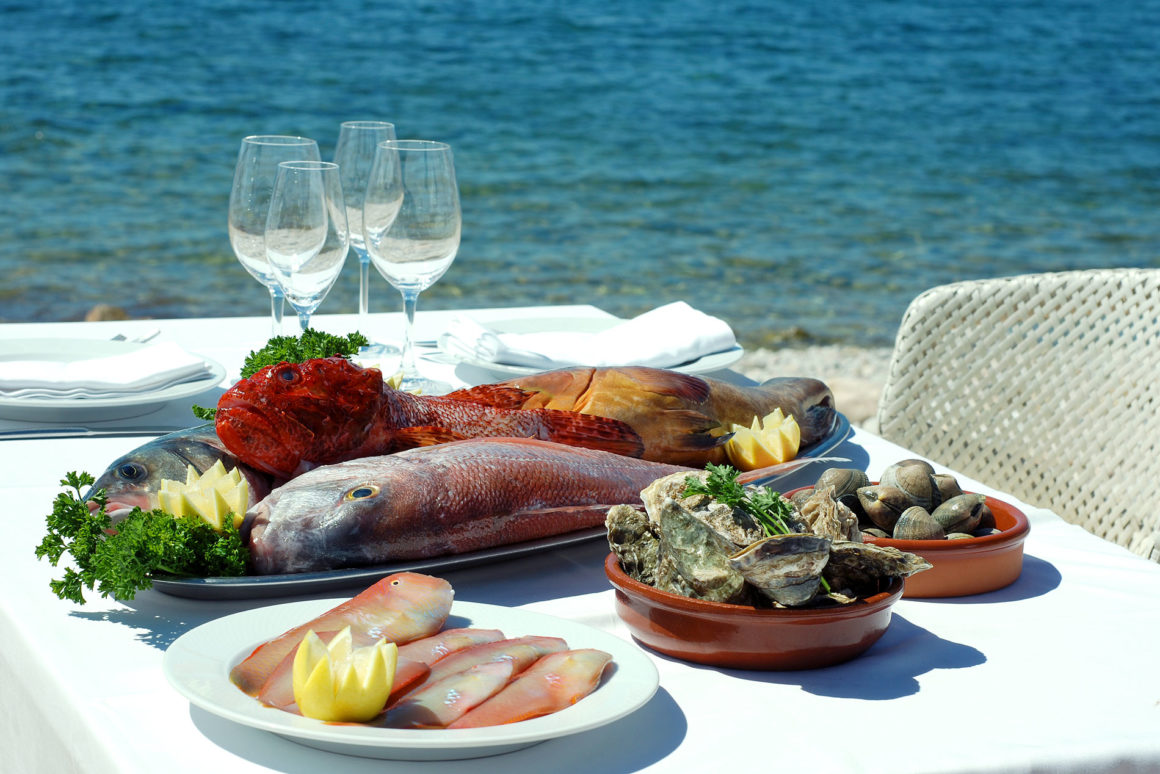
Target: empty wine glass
<point x="354" y="154"/>
<point x="412" y="221"/>
<point x="306" y="233"/>
<point x="254" y="175"/>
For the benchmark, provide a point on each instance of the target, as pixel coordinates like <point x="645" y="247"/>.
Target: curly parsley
<point x="146" y="543"/>
<point x="770" y="510"/>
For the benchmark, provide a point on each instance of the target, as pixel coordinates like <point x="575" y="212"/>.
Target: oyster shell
<point x="858" y="568"/>
<point x="733" y="524"/>
<point x="786" y="568"/>
<point x="632" y="539"/>
<point x="694" y="558"/>
<point x="823" y="514"/>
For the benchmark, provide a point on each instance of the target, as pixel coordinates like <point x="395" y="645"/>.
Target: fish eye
<point x="131" y="471"/>
<point x="362" y="492"/>
<point x="288" y="373"/>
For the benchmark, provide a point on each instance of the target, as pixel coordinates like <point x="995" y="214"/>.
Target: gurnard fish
<point x="291" y="417"/>
<point x="402" y="607"/>
<point x="134" y="479"/>
<point x="446" y="499"/>
<point x="682" y="419"/>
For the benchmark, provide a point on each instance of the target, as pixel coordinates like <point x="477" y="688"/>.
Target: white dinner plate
<point x="198" y="665"/>
<point x="717" y="361"/>
<point x="91" y="409"/>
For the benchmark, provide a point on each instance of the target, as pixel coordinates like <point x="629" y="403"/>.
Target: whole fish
<point x="134" y="479"/>
<point x="402" y="607"/>
<point x="446" y="499"/>
<point x="683" y="419"/>
<point x="291" y="417"/>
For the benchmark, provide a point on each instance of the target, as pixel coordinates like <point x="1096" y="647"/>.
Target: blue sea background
<point x="801" y="169"/>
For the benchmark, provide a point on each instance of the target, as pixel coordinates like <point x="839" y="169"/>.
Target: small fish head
<point x="288" y="416"/>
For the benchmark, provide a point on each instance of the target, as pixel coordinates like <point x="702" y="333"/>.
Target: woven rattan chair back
<point x="1046" y="386"/>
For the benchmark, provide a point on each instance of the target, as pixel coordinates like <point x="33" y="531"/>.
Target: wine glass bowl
<point x="412" y="224"/>
<point x="355" y="153"/>
<point x="254" y="175"/>
<point x="306" y="237"/>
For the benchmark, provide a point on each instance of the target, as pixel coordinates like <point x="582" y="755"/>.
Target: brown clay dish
<point x="743" y="637"/>
<point x="971" y="565"/>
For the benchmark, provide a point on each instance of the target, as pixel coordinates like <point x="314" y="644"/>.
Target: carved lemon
<point x="212" y="495"/>
<point x="341" y="683"/>
<point x="768" y="441"/>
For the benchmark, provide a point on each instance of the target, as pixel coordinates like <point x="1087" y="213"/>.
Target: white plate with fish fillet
<point x="198" y="665"/>
<point x="73" y="409"/>
<point x="717" y="361"/>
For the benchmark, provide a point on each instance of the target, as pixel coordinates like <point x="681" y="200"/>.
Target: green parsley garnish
<point x="145" y="544"/>
<point x="298" y="349"/>
<point x="762" y="504"/>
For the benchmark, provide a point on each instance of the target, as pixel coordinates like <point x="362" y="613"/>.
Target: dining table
<point x="1059" y="671"/>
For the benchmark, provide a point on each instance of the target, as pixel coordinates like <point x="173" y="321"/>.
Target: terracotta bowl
<point x="745" y="637"/>
<point x="971" y="565"/>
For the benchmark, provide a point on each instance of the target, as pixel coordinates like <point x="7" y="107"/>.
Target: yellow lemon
<point x="212" y="495"/>
<point x="338" y="682"/>
<point x="771" y="440"/>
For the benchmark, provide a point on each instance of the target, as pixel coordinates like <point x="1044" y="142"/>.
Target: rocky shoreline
<point x="855" y="374"/>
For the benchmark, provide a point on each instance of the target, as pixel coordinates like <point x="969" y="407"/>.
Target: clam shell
<point x="916" y="523"/>
<point x="916" y="479"/>
<point x="948" y="486"/>
<point x="800" y="496"/>
<point x="960" y="514"/>
<point x="883" y="505"/>
<point x="845" y="482"/>
<point x="786" y="568"/>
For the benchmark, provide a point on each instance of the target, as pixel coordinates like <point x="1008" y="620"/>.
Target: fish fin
<point x="494" y="395"/>
<point x="590" y="432"/>
<point x="424" y="435"/>
<point x="762" y="476"/>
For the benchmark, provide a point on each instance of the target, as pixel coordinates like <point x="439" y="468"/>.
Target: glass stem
<point x="364" y="291"/>
<point x="410" y="298"/>
<point x="277" y="300"/>
<point x="304" y="320"/>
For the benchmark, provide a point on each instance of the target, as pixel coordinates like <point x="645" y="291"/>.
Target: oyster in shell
<point x="824" y="515"/>
<point x="632" y="539"/>
<point x="694" y="558"/>
<point x="786" y="568"/>
<point x="858" y="568"/>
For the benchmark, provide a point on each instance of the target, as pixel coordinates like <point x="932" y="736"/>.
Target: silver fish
<point x="134" y="479"/>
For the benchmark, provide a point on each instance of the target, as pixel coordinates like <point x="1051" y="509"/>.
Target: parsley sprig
<point x="767" y="506"/>
<point x="122" y="561"/>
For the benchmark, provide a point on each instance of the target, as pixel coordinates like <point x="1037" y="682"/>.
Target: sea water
<point x="801" y="169"/>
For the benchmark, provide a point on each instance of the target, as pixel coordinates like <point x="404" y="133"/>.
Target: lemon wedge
<point x="213" y="495"/>
<point x="338" y="682"/>
<point x="771" y="440"/>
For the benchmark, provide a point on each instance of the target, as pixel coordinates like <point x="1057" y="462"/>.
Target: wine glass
<point x="412" y="221"/>
<point x="354" y="154"/>
<point x="306" y="233"/>
<point x="254" y="175"/>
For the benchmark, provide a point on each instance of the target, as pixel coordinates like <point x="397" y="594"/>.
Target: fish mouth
<point x="261" y="438"/>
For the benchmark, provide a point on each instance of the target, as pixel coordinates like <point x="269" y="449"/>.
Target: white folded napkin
<point x="662" y="338"/>
<point x="137" y="370"/>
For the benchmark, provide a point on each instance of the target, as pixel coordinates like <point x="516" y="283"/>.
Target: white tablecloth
<point x="1056" y="672"/>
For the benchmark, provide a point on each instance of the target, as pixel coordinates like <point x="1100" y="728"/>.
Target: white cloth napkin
<point x="664" y="337"/>
<point x="137" y="370"/>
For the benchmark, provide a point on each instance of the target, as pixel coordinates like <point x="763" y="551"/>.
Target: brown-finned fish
<point x="446" y="499"/>
<point x="682" y="419"/>
<point x="290" y="417"/>
<point x="134" y="479"/>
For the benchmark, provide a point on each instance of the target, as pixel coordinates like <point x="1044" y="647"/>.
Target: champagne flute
<point x="413" y="224"/>
<point x="254" y="175"/>
<point x="306" y="233"/>
<point x="354" y="154"/>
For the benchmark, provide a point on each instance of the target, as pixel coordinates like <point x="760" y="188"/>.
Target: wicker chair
<point x="1046" y="386"/>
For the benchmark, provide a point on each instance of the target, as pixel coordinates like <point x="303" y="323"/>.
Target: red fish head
<point x="287" y="416"/>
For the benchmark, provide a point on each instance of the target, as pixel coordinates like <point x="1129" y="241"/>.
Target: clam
<point x="960" y="514"/>
<point x="948" y="486"/>
<point x="786" y="568"/>
<point x="845" y="482"/>
<point x="916" y="523"/>
<point x="883" y="504"/>
<point x="800" y="496"/>
<point x="916" y="479"/>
